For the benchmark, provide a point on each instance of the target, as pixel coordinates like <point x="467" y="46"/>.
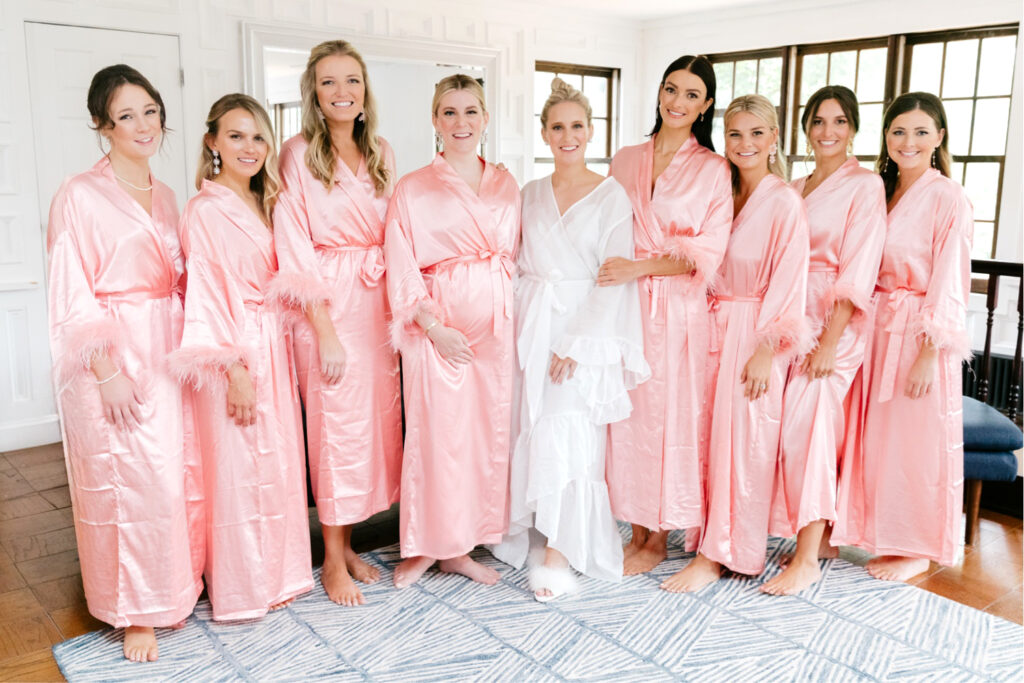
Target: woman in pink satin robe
<point x="759" y="325"/>
<point x="901" y="486"/>
<point x="236" y="350"/>
<point x="846" y="214"/>
<point x="329" y="233"/>
<point x="452" y="234"/>
<point x="682" y="211"/>
<point x="115" y="268"/>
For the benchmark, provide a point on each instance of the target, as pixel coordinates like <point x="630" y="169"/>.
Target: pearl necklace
<point x="147" y="188"/>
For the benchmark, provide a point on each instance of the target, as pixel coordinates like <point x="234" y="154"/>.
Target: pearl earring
<point x="771" y="155"/>
<point x="216" y="162"/>
<point x="362" y="117"/>
<point x="438" y="141"/>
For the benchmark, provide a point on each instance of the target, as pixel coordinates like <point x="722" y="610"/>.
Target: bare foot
<point x="180" y="625"/>
<point x="647" y="558"/>
<point x="796" y="577"/>
<point x="410" y="570"/>
<point x="360" y="570"/>
<point x="140" y="644"/>
<point x="699" y="573"/>
<point x="471" y="568"/>
<point x="282" y="604"/>
<point x="896" y="568"/>
<point x="638" y="540"/>
<point x="340" y="587"/>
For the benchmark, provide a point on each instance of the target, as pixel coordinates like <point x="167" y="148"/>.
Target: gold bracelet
<point x="104" y="381"/>
<point x="429" y="327"/>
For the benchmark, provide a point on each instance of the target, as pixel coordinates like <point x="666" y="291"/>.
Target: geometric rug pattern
<point x="848" y="627"/>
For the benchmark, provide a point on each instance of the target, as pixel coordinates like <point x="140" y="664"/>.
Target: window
<point x="287" y="121"/>
<point x="970" y="69"/>
<point x="599" y="85"/>
<point x="743" y="73"/>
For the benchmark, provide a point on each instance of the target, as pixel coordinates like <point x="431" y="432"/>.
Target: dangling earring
<point x="885" y="162"/>
<point x="438" y="142"/>
<point x="771" y="155"/>
<point x="700" y="117"/>
<point x="362" y="117"/>
<point x="849" y="146"/>
<point x="319" y="112"/>
<point x="216" y="162"/>
<point x="483" y="137"/>
<point x="810" y="150"/>
<point x="933" y="157"/>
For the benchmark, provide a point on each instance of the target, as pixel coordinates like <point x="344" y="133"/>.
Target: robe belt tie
<point x="899" y="305"/>
<point x="371" y="270"/>
<point x="824" y="268"/>
<point x="135" y="295"/>
<point x="713" y="306"/>
<point x="501" y="268"/>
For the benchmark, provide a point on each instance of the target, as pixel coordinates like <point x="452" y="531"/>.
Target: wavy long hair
<point x="929" y="104"/>
<point x="320" y="157"/>
<point x="265" y="184"/>
<point x="759" y="106"/>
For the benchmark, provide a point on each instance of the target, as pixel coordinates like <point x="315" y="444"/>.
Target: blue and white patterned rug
<point x="847" y="627"/>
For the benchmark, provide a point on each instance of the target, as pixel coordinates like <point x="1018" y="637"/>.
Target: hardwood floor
<point x="41" y="599"/>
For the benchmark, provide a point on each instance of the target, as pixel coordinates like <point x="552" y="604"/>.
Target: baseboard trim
<point x="15" y="436"/>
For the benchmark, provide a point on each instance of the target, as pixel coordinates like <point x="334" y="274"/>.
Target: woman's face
<point x="911" y="139"/>
<point x="340" y="90"/>
<point x="682" y="99"/>
<point x="136" y="133"/>
<point x="241" y="144"/>
<point x="460" y="120"/>
<point x="830" y="132"/>
<point x="749" y="140"/>
<point x="567" y="132"/>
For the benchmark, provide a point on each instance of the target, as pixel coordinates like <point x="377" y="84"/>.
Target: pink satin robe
<point x="901" y="484"/>
<point x="114" y="276"/>
<point x="330" y="248"/>
<point x="846" y="214"/>
<point x="759" y="299"/>
<point x="258" y="550"/>
<point x="655" y="459"/>
<point x="452" y="253"/>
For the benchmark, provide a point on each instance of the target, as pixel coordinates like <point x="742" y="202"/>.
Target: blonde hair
<point x="759" y="106"/>
<point x="265" y="184"/>
<point x="320" y="157"/>
<point x="563" y="92"/>
<point x="457" y="82"/>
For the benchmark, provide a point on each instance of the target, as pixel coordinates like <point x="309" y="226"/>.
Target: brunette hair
<point x="320" y="157"/>
<point x="563" y="92"/>
<point x="840" y="93"/>
<point x="759" y="106"/>
<point x="265" y="184"/>
<point x="699" y="66"/>
<point x="106" y="82"/>
<point x="929" y="104"/>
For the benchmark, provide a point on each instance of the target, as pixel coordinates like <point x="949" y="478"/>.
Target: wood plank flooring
<point x="41" y="599"/>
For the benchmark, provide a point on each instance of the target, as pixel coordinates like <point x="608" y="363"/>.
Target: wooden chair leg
<point x="973" y="505"/>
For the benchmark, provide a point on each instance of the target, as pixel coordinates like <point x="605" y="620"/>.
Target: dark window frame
<point x="613" y="76"/>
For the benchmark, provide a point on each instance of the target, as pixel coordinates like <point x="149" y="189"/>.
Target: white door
<point x="61" y="62"/>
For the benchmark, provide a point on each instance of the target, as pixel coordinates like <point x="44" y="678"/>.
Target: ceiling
<point x="643" y="10"/>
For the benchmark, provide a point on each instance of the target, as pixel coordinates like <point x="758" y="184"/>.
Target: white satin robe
<point x="560" y="431"/>
<point x="846" y="215"/>
<point x="114" y="287"/>
<point x="655" y="457"/>
<point x="258" y="550"/>
<point x="451" y="252"/>
<point x="901" y="483"/>
<point x="759" y="299"/>
<point x="330" y="249"/>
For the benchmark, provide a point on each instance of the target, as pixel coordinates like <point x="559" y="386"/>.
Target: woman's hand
<point x="450" y="344"/>
<point x="922" y="372"/>
<point x="821" y="362"/>
<point x="561" y="369"/>
<point x="757" y="373"/>
<point x="121" y="401"/>
<point x="332" y="357"/>
<point x="241" y="396"/>
<point x="617" y="271"/>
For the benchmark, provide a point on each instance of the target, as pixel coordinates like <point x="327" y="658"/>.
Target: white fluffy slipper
<point x="559" y="580"/>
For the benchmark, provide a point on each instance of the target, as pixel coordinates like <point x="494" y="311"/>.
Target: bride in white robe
<point x="579" y="349"/>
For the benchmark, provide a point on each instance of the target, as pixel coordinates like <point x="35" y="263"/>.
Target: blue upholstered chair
<point x="990" y="437"/>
